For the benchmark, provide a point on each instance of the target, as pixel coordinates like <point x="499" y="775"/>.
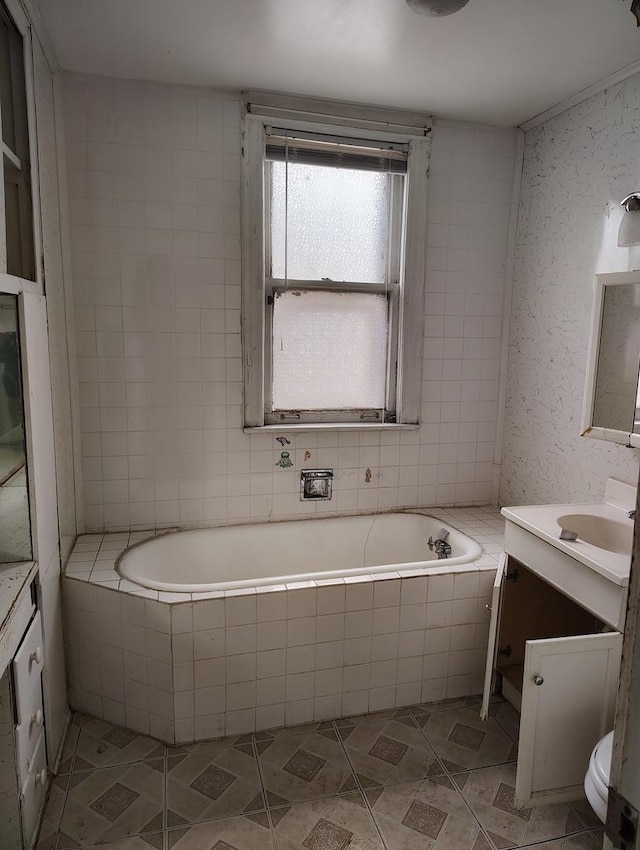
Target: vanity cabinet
<point x="23" y="758"/>
<point x="557" y="662"/>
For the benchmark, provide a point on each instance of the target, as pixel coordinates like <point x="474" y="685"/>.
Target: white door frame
<point x="625" y="766"/>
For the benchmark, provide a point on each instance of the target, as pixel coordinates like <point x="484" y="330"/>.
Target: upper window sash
<point x="395" y="240"/>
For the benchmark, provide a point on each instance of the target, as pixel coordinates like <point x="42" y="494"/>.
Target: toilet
<point x="596" y="781"/>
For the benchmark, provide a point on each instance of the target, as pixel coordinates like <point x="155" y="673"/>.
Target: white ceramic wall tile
<point x="157" y="296"/>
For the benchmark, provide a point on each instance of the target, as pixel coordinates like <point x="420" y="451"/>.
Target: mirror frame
<point x="623" y="438"/>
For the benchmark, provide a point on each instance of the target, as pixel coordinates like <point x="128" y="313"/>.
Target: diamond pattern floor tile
<point x="434" y="777"/>
<point x="463" y="741"/>
<point x="101" y="744"/>
<point x="209" y="781"/>
<point x="424" y="815"/>
<point x="384" y="750"/>
<point x="490" y="794"/>
<point x="302" y="767"/>
<point x="113" y="803"/>
<point x="336" y="823"/>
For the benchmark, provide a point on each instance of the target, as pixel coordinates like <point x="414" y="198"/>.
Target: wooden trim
<point x="67" y="282"/>
<point x="253" y="271"/>
<point x="16" y="285"/>
<point x="30" y="10"/>
<point x="13" y="159"/>
<point x="411" y="320"/>
<point x="583" y="94"/>
<point x="509" y="267"/>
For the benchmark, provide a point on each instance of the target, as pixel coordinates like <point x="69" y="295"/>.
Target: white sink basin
<point x="604" y="532"/>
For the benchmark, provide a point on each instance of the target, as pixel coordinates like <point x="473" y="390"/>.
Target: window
<point x="332" y="275"/>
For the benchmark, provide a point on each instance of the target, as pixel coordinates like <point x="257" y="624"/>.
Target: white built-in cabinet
<point x="558" y="664"/>
<point x="23" y="752"/>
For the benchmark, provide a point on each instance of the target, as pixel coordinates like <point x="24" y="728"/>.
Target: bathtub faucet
<point x="440" y="547"/>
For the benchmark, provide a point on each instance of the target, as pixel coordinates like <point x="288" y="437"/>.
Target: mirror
<point x="612" y="402"/>
<point x="15" y="527"/>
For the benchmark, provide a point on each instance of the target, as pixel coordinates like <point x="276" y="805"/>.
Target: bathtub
<point x="316" y="619"/>
<point x="279" y="553"/>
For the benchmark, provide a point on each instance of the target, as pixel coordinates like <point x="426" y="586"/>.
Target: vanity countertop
<point x="14" y="584"/>
<point x="607" y="522"/>
<point x="542" y="520"/>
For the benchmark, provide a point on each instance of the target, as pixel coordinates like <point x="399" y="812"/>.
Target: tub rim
<point x="392" y="570"/>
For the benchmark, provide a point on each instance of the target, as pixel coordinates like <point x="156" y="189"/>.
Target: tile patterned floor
<point x="428" y="777"/>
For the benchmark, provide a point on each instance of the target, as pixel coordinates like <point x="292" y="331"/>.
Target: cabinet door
<point x="496" y="610"/>
<point x="568" y="700"/>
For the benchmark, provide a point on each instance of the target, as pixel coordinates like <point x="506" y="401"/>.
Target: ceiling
<point x="497" y="61"/>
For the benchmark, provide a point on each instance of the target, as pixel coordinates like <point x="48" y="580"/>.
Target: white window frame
<point x="361" y="123"/>
<point x="16" y="12"/>
<point x="32" y="323"/>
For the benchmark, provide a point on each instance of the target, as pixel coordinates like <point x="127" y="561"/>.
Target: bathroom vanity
<point x="555" y="640"/>
<point x="23" y="756"/>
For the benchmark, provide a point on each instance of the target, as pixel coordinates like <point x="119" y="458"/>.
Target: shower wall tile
<point x="155" y="246"/>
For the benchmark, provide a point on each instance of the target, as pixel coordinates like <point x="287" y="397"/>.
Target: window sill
<point x="332" y="426"/>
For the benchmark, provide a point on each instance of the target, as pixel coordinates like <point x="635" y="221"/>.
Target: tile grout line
<point x="165" y="801"/>
<point x="81" y="718"/>
<point x="450" y="775"/>
<point x="263" y="791"/>
<point x="359" y="785"/>
<point x="544" y="841"/>
<point x="483" y="831"/>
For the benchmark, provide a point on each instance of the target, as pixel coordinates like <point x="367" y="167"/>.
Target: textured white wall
<point x="577" y="168"/>
<point x="154" y="203"/>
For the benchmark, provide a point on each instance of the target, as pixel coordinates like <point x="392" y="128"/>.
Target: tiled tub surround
<point x="185" y="667"/>
<point x="427" y="777"/>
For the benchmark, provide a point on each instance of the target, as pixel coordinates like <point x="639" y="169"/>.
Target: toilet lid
<point x="602" y="758"/>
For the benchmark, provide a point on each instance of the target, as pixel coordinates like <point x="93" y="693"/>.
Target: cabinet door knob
<point x="538" y="680"/>
<point x="487" y="607"/>
<point x="36" y="655"/>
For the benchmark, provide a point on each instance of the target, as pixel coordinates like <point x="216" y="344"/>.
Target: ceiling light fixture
<point x="438" y="8"/>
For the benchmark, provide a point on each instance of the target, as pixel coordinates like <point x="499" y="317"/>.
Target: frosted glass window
<point x="329" y="350"/>
<point x="332" y="223"/>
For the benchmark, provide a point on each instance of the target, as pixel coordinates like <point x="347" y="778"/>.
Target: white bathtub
<point x="278" y="553"/>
